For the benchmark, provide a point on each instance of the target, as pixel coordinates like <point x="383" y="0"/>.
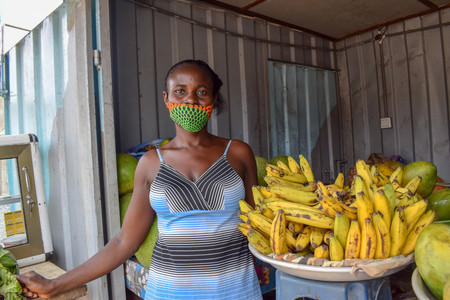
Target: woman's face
<point x="190" y="84"/>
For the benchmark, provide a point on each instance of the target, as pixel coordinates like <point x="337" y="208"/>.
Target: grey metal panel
<point x="148" y="99"/>
<point x="415" y="56"/>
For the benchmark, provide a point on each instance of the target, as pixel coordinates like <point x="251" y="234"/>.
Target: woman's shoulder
<point x="240" y="148"/>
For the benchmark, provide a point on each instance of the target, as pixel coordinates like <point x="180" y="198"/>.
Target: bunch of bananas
<point x="374" y="218"/>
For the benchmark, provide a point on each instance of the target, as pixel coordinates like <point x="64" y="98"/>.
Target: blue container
<point x="290" y="287"/>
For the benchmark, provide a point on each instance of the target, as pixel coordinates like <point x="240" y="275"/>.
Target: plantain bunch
<point x="374" y="218"/>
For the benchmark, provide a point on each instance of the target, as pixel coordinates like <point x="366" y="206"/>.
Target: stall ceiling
<point x="333" y="19"/>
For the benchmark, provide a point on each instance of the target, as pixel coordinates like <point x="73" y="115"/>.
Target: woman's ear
<point x="165" y="96"/>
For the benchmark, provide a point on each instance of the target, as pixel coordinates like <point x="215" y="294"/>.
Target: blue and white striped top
<point x="200" y="253"/>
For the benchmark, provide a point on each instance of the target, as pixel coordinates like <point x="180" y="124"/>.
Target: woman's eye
<point x="201" y="93"/>
<point x="179" y="91"/>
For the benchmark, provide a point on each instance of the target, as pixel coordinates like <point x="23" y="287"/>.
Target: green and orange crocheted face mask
<point x="191" y="117"/>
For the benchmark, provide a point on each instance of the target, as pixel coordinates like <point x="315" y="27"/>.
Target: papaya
<point x="283" y="158"/>
<point x="261" y="163"/>
<point x="126" y="166"/>
<point x="431" y="256"/>
<point x="424" y="169"/>
<point x="439" y="201"/>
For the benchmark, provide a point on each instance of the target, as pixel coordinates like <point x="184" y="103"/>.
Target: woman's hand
<point x="34" y="285"/>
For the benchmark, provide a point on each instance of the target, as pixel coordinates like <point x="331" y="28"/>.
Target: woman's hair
<point x="219" y="104"/>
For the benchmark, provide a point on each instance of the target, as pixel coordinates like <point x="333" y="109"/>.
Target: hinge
<point x="98" y="59"/>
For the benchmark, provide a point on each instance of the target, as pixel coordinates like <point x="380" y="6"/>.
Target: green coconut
<point x="283" y="158"/>
<point x="261" y="163"/>
<point x="424" y="169"/>
<point x="431" y="256"/>
<point x="126" y="166"/>
<point x="145" y="251"/>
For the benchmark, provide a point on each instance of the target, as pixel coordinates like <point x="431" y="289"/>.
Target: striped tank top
<point x="199" y="253"/>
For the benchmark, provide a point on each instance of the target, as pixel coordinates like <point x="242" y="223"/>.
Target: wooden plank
<point x="127" y="90"/>
<point x="345" y="107"/>
<point x="50" y="271"/>
<point x="217" y="56"/>
<point x="149" y="99"/>
<point x="182" y="32"/>
<point x="419" y="101"/>
<point x="358" y="108"/>
<point x="234" y="79"/>
<point x="437" y="94"/>
<point x="397" y="93"/>
<point x="164" y="61"/>
<point x="263" y="146"/>
<point x="273" y="34"/>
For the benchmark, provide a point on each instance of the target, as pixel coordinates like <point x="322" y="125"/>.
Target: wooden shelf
<point x="50" y="270"/>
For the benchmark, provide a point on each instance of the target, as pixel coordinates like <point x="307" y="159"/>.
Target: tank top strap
<point x="228" y="146"/>
<point x="159" y="154"/>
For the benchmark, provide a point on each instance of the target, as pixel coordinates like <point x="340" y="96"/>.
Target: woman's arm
<point x="135" y="227"/>
<point x="242" y="159"/>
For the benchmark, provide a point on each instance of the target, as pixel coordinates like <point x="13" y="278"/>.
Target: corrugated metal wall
<point x="406" y="78"/>
<point x="150" y="38"/>
<point x="51" y="94"/>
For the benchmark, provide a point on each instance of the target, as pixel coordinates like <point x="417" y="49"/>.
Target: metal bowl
<point x="420" y="288"/>
<point x="337" y="274"/>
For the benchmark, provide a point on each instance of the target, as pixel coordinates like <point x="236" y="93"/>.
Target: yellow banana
<point x="365" y="208"/>
<point x="258" y="241"/>
<point x="244" y="206"/>
<point x="322" y="251"/>
<point x="327" y="208"/>
<point x="283" y="166"/>
<point x="266" y="194"/>
<point x="306" y="168"/>
<point x="383" y="237"/>
<point x="390" y="194"/>
<point x="258" y="198"/>
<point x="340" y="180"/>
<point x="396" y="177"/>
<point x="413" y="213"/>
<point x="243" y="227"/>
<point x="322" y="189"/>
<point x="326" y="237"/>
<point x="278" y="233"/>
<point x="360" y="186"/>
<point x="379" y="178"/>
<point x="353" y="244"/>
<point x="309" y="218"/>
<point x="413" y="185"/>
<point x="290" y="240"/>
<point x="293" y="194"/>
<point x="303" y="238"/>
<point x="336" y="250"/>
<point x="385" y="170"/>
<point x="293" y="165"/>
<point x="341" y="227"/>
<point x="243" y="216"/>
<point x="368" y="239"/>
<point x="398" y="231"/>
<point x="424" y="220"/>
<point x="339" y="206"/>
<point x="272" y="180"/>
<point x="276" y="171"/>
<point x="295" y="227"/>
<point x="381" y="205"/>
<point x="282" y="204"/>
<point x="363" y="170"/>
<point x="268" y="213"/>
<point x="316" y="237"/>
<point x="260" y="222"/>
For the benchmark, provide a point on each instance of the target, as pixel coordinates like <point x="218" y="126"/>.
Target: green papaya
<point x="424" y="169"/>
<point x="431" y="255"/>
<point x="439" y="201"/>
<point x="261" y="163"/>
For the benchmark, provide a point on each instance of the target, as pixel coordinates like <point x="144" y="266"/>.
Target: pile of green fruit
<point x="10" y="287"/>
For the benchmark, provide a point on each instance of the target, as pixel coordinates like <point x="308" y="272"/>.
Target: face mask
<point x="190" y="116"/>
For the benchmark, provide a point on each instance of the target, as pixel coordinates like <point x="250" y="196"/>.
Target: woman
<point x="195" y="182"/>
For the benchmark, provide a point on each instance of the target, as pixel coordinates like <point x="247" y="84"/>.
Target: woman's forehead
<point x="190" y="73"/>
